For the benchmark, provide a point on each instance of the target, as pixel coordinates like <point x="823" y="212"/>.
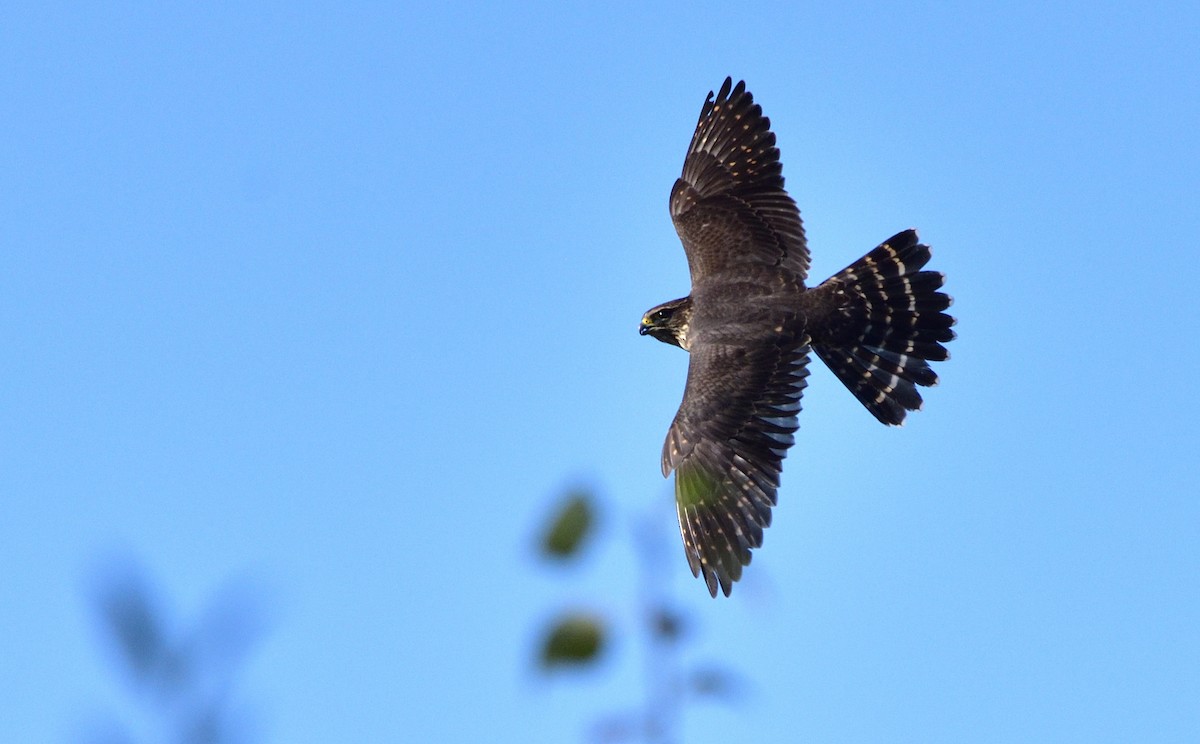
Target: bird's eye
<point x="662" y="315"/>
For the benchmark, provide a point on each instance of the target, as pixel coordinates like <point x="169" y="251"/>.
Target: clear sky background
<point x="332" y="301"/>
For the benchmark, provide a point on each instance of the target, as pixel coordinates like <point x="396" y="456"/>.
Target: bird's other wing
<point x="729" y="206"/>
<point x="727" y="444"/>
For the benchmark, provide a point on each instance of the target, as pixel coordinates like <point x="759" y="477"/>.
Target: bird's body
<point x="750" y="322"/>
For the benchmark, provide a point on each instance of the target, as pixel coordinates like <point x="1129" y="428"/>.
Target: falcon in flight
<point x="751" y="321"/>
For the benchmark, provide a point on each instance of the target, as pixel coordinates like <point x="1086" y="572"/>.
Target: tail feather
<point x="913" y="293"/>
<point x="884" y="324"/>
<point x="901" y="365"/>
<point x="928" y="351"/>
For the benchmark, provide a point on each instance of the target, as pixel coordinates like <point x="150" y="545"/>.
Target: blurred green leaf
<point x="570" y="525"/>
<point x="574" y="639"/>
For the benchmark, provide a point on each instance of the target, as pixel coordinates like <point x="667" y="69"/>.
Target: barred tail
<point x="881" y="325"/>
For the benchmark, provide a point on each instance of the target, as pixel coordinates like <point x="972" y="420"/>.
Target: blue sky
<point x="336" y="300"/>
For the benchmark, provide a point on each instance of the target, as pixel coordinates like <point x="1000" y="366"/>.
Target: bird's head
<point x="669" y="322"/>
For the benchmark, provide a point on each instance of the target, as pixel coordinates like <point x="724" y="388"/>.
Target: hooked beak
<point x="644" y="329"/>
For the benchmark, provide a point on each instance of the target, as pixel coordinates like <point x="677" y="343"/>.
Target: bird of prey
<point x="750" y="322"/>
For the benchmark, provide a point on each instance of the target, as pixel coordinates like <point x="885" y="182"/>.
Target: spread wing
<point x="727" y="445"/>
<point x="730" y="206"/>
